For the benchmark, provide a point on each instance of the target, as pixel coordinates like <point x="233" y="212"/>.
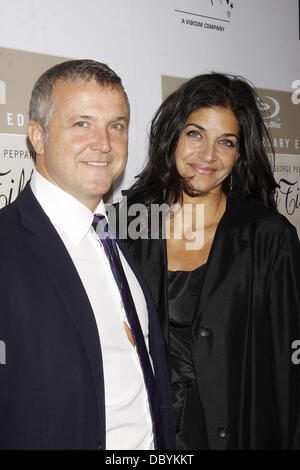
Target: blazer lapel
<point x="225" y="253"/>
<point x="47" y="246"/>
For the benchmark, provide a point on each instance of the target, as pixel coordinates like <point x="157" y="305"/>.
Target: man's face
<point x="87" y="144"/>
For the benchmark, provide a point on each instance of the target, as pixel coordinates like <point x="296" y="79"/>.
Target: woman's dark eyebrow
<point x="230" y="134"/>
<point x="226" y="134"/>
<point x="196" y="125"/>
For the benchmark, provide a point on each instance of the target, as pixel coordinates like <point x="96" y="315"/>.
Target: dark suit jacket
<point x="246" y="320"/>
<point x="51" y="387"/>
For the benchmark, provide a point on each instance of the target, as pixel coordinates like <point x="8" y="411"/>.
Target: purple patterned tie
<point x="111" y="251"/>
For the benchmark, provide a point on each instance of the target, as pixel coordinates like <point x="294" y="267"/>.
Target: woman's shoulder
<point x="251" y="212"/>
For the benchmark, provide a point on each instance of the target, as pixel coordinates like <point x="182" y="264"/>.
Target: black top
<point x="183" y="290"/>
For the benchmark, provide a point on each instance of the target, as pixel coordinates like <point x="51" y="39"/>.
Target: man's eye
<point x="81" y="124"/>
<point x="116" y="126"/>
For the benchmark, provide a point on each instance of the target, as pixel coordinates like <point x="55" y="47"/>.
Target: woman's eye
<point x="194" y="134"/>
<point x="227" y="143"/>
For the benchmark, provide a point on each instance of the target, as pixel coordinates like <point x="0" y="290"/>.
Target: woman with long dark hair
<point x="228" y="299"/>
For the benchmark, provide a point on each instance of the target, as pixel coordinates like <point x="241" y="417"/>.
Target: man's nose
<point x="101" y="141"/>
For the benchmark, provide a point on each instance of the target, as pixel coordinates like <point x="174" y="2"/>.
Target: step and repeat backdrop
<point x="18" y="72"/>
<point x="154" y="46"/>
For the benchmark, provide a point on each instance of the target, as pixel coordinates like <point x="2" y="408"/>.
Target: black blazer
<point x="51" y="387"/>
<point x="246" y="320"/>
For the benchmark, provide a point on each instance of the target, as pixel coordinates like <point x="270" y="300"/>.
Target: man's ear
<point x="36" y="135"/>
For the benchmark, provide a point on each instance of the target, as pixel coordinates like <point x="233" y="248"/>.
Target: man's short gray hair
<point x="41" y="107"/>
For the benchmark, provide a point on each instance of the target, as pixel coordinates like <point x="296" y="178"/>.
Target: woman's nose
<point x="207" y="152"/>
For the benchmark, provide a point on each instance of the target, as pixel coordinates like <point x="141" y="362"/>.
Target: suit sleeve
<point x="284" y="303"/>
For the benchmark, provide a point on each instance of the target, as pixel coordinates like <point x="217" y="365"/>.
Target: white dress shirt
<point x="128" y="418"/>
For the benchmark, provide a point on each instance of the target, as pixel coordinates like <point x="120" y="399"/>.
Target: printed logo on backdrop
<point x="270" y="108"/>
<point x="211" y="15"/>
<point x="282" y="118"/>
<point x="18" y="72"/>
<point x="281" y="114"/>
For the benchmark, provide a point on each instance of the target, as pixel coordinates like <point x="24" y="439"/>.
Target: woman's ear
<point x="36" y="135"/>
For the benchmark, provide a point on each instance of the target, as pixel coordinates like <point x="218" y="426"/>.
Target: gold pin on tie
<point x="129" y="334"/>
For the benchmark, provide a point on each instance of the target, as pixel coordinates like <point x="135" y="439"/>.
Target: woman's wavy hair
<point x="251" y="175"/>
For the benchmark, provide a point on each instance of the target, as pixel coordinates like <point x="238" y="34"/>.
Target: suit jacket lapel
<point x="152" y="257"/>
<point x="149" y="300"/>
<point x="150" y="253"/>
<point x="47" y="246"/>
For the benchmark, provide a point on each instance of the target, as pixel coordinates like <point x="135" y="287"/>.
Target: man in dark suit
<point x="73" y="375"/>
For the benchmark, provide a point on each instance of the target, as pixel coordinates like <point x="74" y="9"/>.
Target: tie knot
<point x="97" y="218"/>
<point x="100" y="225"/>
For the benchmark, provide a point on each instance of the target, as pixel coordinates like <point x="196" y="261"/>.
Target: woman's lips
<point x="203" y="170"/>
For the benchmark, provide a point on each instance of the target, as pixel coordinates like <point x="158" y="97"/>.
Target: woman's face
<point x="208" y="148"/>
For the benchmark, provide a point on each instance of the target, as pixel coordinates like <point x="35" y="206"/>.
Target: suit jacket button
<point x="204" y="331"/>
<point x="222" y="432"/>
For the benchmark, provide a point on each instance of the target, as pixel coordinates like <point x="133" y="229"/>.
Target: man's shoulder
<point x="11" y="215"/>
<point x="9" y="221"/>
<point x="8" y="214"/>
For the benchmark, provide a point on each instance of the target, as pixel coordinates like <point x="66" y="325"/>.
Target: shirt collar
<point x="64" y="211"/>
